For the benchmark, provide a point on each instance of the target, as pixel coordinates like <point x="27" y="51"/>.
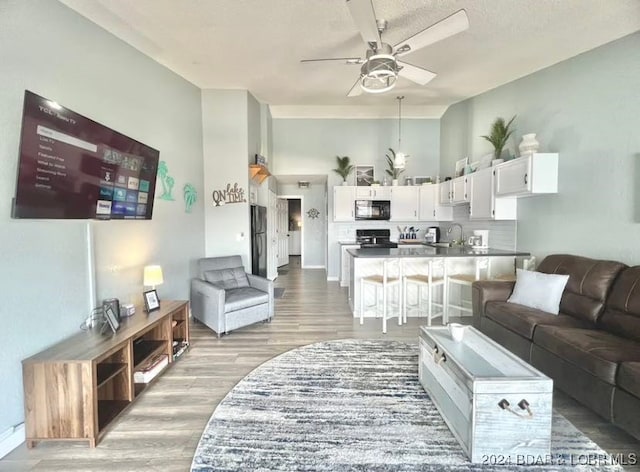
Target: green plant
<point x="344" y="167"/>
<point x="394" y="172"/>
<point x="500" y="133"/>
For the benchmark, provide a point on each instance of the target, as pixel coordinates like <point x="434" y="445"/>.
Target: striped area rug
<point x="351" y="405"/>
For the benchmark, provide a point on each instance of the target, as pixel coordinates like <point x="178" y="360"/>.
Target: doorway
<point x="295" y="227"/>
<point x="290" y="229"/>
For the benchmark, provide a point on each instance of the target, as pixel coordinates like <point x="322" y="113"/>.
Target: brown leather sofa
<point x="591" y="349"/>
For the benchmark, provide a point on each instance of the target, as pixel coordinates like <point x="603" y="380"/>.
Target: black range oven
<point x="373" y="209"/>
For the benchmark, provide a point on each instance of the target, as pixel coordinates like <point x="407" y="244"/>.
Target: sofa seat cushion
<point x="523" y="320"/>
<point x="245" y="297"/>
<point x="595" y="351"/>
<point x="629" y="377"/>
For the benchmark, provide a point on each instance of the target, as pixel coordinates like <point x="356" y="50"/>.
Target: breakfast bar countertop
<point x="429" y="251"/>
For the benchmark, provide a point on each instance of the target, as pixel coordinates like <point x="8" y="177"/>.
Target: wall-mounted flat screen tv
<point x="73" y="167"/>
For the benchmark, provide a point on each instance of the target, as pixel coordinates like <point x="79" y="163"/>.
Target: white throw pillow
<point x="538" y="290"/>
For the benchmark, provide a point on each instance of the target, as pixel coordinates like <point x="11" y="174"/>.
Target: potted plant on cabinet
<point x="393" y="172"/>
<point x="344" y="168"/>
<point x="500" y="133"/>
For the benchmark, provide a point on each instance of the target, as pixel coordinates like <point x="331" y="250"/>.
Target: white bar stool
<point x="428" y="280"/>
<point x="465" y="280"/>
<point x="384" y="281"/>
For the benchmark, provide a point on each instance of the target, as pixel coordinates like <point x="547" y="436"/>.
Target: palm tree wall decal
<point x="166" y="180"/>
<point x="190" y="197"/>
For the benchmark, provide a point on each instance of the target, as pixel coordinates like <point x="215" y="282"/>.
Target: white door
<point x="481" y="206"/>
<point x="513" y="177"/>
<point x="283" y="232"/>
<point x="343" y="203"/>
<point x="404" y="203"/>
<point x="272" y="237"/>
<point x="459" y="190"/>
<point x="427" y="206"/>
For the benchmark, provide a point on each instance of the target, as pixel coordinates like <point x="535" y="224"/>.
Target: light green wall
<point x="314" y="234"/>
<point x="310" y="146"/>
<point x="587" y="109"/>
<point x="53" y="51"/>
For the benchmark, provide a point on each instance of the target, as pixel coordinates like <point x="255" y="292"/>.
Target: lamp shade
<point x="152" y="275"/>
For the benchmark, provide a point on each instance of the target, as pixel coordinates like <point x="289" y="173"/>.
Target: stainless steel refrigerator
<point x="259" y="240"/>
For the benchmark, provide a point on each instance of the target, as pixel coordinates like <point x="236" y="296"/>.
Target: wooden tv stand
<point x="74" y="389"/>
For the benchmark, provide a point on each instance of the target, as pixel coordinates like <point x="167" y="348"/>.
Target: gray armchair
<point x="225" y="297"/>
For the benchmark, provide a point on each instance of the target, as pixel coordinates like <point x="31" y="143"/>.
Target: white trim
<point x="332" y="278"/>
<point x="11" y="439"/>
<point x="313" y="267"/>
<point x="357" y="112"/>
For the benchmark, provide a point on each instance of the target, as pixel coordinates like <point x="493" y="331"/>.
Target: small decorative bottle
<point x="529" y="145"/>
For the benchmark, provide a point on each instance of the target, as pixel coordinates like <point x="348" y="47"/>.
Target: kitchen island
<point x="415" y="260"/>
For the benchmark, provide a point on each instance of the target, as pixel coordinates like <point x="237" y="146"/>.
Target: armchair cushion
<point x="244" y="297"/>
<point x="230" y="278"/>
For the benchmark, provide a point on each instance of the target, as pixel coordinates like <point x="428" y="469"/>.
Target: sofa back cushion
<point x="234" y="277"/>
<point x="589" y="283"/>
<point x="622" y="312"/>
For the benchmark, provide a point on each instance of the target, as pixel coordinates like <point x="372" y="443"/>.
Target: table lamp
<point x="152" y="276"/>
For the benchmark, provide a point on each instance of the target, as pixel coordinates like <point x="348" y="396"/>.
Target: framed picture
<point x="364" y="175"/>
<point x="419" y="180"/>
<point x="460" y="165"/>
<point x="110" y="320"/>
<point x="151" y="301"/>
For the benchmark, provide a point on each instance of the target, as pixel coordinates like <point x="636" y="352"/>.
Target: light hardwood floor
<point x="162" y="429"/>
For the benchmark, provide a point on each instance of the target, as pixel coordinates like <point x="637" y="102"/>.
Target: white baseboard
<point x="333" y="278"/>
<point x="313" y="267"/>
<point x="11" y="439"/>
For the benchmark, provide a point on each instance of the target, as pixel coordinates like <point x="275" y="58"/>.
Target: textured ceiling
<point x="258" y="44"/>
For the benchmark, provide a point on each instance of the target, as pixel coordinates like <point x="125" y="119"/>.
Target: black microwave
<point x="373" y="209"/>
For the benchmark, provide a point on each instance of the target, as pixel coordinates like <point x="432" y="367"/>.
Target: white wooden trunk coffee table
<point x="496" y="405"/>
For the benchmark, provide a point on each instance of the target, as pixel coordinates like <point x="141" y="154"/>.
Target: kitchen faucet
<point x="461" y="241"/>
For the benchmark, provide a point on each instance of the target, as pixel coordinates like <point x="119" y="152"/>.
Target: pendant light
<point x="401" y="159"/>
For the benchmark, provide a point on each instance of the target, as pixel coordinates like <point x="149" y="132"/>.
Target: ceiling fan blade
<point x="355" y="90"/>
<point x="454" y="24"/>
<point x="414" y="73"/>
<point x="364" y="18"/>
<point x="347" y="60"/>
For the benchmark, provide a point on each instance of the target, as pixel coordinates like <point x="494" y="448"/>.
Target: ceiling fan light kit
<point x="381" y="69"/>
<point x="379" y="73"/>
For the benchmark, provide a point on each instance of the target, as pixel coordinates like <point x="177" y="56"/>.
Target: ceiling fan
<point x="381" y="68"/>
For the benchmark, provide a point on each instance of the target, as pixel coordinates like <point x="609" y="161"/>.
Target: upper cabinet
<point x="454" y="192"/>
<point x="343" y="203"/>
<point x="404" y="203"/>
<point x="529" y="175"/>
<point x="459" y="190"/>
<point x="483" y="204"/>
<point x="429" y="208"/>
<point x="373" y="193"/>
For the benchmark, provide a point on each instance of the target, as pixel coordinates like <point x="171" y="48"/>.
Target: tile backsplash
<point x="502" y="234"/>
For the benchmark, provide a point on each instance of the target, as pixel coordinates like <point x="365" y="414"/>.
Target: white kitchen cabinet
<point x="454" y="192"/>
<point x="404" y="203"/>
<point x="483" y="205"/>
<point x="344" y="198"/>
<point x="526" y="176"/>
<point x="345" y="266"/>
<point x="444" y="193"/>
<point x="429" y="208"/>
<point x="373" y="193"/>
<point x="459" y="193"/>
